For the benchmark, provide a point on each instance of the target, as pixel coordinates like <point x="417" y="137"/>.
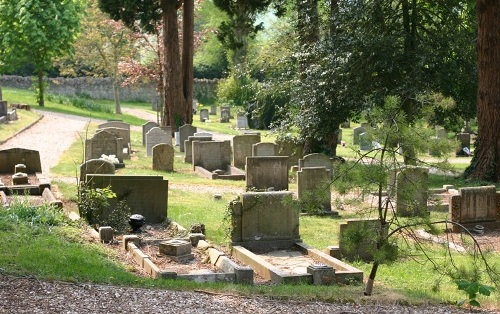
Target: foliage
<point x="37" y="31"/>
<point x="95" y="206"/>
<point x="472" y="289"/>
<point x="237" y="90"/>
<point x="20" y="210"/>
<point x="81" y="102"/>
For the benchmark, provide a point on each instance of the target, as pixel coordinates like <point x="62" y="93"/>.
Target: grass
<point x="64" y="255"/>
<point x="25" y="118"/>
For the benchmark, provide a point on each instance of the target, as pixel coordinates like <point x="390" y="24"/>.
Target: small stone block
<point x="195" y="238"/>
<point x="334" y="251"/>
<point x="175" y="247"/>
<point x="244" y="275"/>
<point x="130" y="238"/>
<point x="20" y="168"/>
<point x="106" y="234"/>
<point x="151" y="268"/>
<point x="139" y="257"/>
<point x="20" y="178"/>
<point x="217" y="196"/>
<point x="322" y="274"/>
<point x="165" y="274"/>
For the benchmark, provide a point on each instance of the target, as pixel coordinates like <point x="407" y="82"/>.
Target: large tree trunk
<point x="41" y="88"/>
<point x="187" y="58"/>
<point x="486" y="162"/>
<point x="116" y="87"/>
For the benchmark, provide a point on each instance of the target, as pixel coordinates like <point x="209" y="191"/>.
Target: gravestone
<point x="195" y="105"/>
<point x="267" y="172"/>
<point x="204" y="115"/>
<point x="264" y="220"/>
<point x="365" y="125"/>
<point x="225" y="115"/>
<point x="12" y="115"/>
<point x="364" y="143"/>
<point x="156" y="103"/>
<point x="355" y="134"/>
<point x="346" y="124"/>
<point x="441" y="133"/>
<point x="163" y="157"/>
<point x="228" y="109"/>
<point x="212" y="155"/>
<point x="145" y="129"/>
<point x="145" y="195"/>
<point x="9" y="158"/>
<point x="339" y="136"/>
<point x="317" y="160"/>
<point x="96" y="166"/>
<point x="114" y="124"/>
<point x="213" y="110"/>
<point x="264" y="149"/>
<point x="242" y="121"/>
<point x="205" y="134"/>
<point x="291" y="149"/>
<point x="412" y="187"/>
<point x="313" y="188"/>
<point x="104" y="143"/>
<point x="154" y="137"/>
<point x="124" y="134"/>
<point x="475" y="205"/>
<point x="3" y="108"/>
<point x="188" y="146"/>
<point x="365" y="233"/>
<point x="185" y="131"/>
<point x="242" y="148"/>
<point x="464" y="141"/>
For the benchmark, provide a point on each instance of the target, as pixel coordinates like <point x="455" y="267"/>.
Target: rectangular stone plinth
<point x="175" y="247"/>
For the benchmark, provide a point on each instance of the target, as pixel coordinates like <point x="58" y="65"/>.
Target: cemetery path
<point x="51" y="136"/>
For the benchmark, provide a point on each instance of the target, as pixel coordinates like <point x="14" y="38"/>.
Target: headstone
<point x="114" y="124"/>
<point x="242" y="121"/>
<point x="103" y="143"/>
<point x="9" y="158"/>
<point x="195" y="105"/>
<point x="225" y="115"/>
<point x="264" y="149"/>
<point x="464" y="141"/>
<point x="365" y="232"/>
<point x="188" y="146"/>
<point x="364" y="143"/>
<point x="213" y="110"/>
<point x="317" y="160"/>
<point x="12" y="115"/>
<point x="346" y="125"/>
<point x="204" y="115"/>
<point x="163" y="157"/>
<point x="228" y="109"/>
<point x="212" y="155"/>
<point x="156" y="103"/>
<point x="441" y="133"/>
<point x="339" y="136"/>
<point x="412" y="187"/>
<point x="242" y="148"/>
<point x="263" y="173"/>
<point x="355" y="134"/>
<point x="291" y="149"/>
<point x="205" y="134"/>
<point x="185" y="131"/>
<point x="264" y="220"/>
<point x="154" y="137"/>
<point x="313" y="188"/>
<point x="145" y="129"/>
<point x="95" y="166"/>
<point x="123" y="134"/>
<point x="3" y="108"/>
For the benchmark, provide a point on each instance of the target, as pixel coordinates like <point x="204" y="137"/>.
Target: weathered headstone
<point x="145" y="129"/>
<point x="264" y="149"/>
<point x="346" y="124"/>
<point x="96" y="166"/>
<point x="3" y="108"/>
<point x="242" y="148"/>
<point x="154" y="137"/>
<point x="188" y="146"/>
<point x="263" y="173"/>
<point x="291" y="149"/>
<point x="355" y="134"/>
<point x="103" y="143"/>
<point x="145" y="195"/>
<point x="205" y="134"/>
<point x="12" y="115"/>
<point x="317" y="160"/>
<point x="225" y="115"/>
<point x="185" y="131"/>
<point x="212" y="155"/>
<point x="475" y="205"/>
<point x="213" y="110"/>
<point x="313" y="188"/>
<point x="264" y="220"/>
<point x="228" y="109"/>
<point x="365" y="233"/>
<point x="364" y="143"/>
<point x="464" y="141"/>
<point x="114" y="124"/>
<point x="163" y="157"/>
<point x="242" y="121"/>
<point x="204" y="115"/>
<point x="412" y="187"/>
<point x="122" y="133"/>
<point x="9" y="158"/>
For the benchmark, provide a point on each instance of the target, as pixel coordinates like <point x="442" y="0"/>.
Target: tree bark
<point x="41" y="89"/>
<point x="486" y="162"/>
<point x="187" y="58"/>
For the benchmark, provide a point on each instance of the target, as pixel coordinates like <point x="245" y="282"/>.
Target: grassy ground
<point x="64" y="255"/>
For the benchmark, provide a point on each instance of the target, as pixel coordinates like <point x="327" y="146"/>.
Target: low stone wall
<point x="102" y="88"/>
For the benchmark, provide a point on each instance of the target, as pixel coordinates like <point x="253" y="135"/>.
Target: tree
<point x="37" y="31"/>
<point x="177" y="80"/>
<point x="486" y="161"/>
<point x="101" y="46"/>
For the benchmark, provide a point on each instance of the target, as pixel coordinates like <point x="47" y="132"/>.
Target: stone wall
<point x="102" y="88"/>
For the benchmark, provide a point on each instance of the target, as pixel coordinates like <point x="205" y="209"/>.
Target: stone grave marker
<point x="294" y="151"/>
<point x="267" y="172"/>
<point x="464" y="141"/>
<point x="145" y="129"/>
<point x="264" y="220"/>
<point x="228" y="109"/>
<point x="213" y="110"/>
<point x="205" y="134"/>
<point x="204" y="115"/>
<point x="96" y="166"/>
<point x="313" y="188"/>
<point x="105" y="143"/>
<point x="242" y="148"/>
<point x="185" y="131"/>
<point x="154" y="137"/>
<point x="317" y="160"/>
<point x="441" y="133"/>
<point x="339" y="136"/>
<point x="346" y="124"/>
<point x="412" y="187"/>
<point x="12" y="115"/>
<point x="188" y="146"/>
<point x="163" y="157"/>
<point x="355" y="134"/>
<point x="3" y="108"/>
<point x="123" y="134"/>
<point x="368" y="229"/>
<point x="364" y="143"/>
<point x="264" y="149"/>
<point x="242" y="121"/>
<point x="114" y="124"/>
<point x="225" y="115"/>
<point x="212" y="155"/>
<point x="9" y="158"/>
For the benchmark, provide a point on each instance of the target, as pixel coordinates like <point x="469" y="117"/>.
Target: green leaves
<point x="472" y="289"/>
